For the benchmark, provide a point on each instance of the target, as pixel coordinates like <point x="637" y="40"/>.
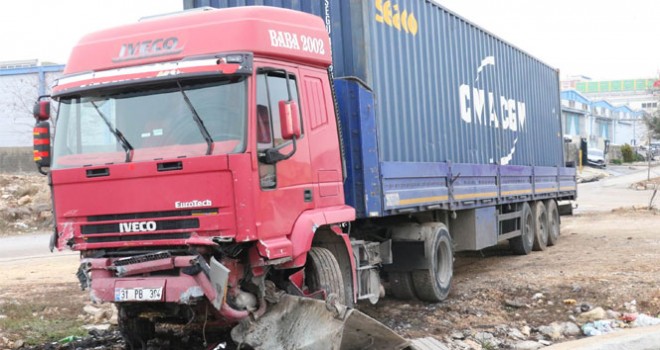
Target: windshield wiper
<point x="198" y="120"/>
<point x="118" y="135"/>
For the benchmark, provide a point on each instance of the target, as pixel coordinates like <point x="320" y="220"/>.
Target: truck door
<point x="285" y="188"/>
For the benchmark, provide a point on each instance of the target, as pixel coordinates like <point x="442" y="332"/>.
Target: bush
<point x="640" y="157"/>
<point x="628" y="153"/>
<point x="616" y="161"/>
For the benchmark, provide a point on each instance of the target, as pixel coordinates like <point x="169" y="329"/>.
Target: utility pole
<point x="649" y="156"/>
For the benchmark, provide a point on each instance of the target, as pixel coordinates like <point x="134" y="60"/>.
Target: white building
<point x="600" y="121"/>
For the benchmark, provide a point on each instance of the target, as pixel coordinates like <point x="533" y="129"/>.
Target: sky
<point x="49" y="29"/>
<point x="601" y="39"/>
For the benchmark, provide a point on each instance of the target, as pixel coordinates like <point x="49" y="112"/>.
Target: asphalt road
<point x="31" y="246"/>
<point x="615" y="191"/>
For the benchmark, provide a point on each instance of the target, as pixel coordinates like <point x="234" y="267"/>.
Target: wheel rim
<point x="443" y="263"/>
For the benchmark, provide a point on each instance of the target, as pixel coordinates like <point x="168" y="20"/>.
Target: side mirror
<point x="289" y="119"/>
<point x="41" y="110"/>
<point x="42" y="145"/>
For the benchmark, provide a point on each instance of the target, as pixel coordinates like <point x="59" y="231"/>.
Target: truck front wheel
<point x="433" y="284"/>
<point x="322" y="272"/>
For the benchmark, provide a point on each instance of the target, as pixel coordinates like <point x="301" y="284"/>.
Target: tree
<point x="18" y="93"/>
<point x="652" y="122"/>
<point x="627" y="153"/>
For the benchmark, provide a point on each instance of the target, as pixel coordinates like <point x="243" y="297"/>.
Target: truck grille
<point x="147" y="237"/>
<point x="142" y="258"/>
<point x="163" y="225"/>
<point x="145" y="226"/>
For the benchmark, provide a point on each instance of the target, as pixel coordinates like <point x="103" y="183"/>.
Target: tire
<point x="135" y="331"/>
<point x="401" y="285"/>
<point x="554" y="227"/>
<point x="540" y="226"/>
<point x="322" y="272"/>
<point x="522" y="245"/>
<point x="433" y="284"/>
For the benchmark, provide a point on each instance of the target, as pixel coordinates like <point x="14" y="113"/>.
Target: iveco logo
<point x="143" y="226"/>
<point x="193" y="204"/>
<point x="148" y="48"/>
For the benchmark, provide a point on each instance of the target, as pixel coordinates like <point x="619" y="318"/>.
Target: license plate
<point x="138" y="294"/>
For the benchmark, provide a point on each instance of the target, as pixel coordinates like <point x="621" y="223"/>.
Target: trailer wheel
<point x="322" y="272"/>
<point x="522" y="245"/>
<point x="136" y="331"/>
<point x="554" y="229"/>
<point x="401" y="285"/>
<point x="433" y="284"/>
<point x="540" y="227"/>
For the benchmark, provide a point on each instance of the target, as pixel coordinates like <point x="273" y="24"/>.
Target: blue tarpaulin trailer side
<point x="435" y="111"/>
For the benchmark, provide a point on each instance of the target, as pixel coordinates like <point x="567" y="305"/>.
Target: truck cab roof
<point x="264" y="31"/>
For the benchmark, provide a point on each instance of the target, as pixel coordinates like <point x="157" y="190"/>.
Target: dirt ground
<point x="608" y="259"/>
<point x="603" y="260"/>
<point x="24" y="203"/>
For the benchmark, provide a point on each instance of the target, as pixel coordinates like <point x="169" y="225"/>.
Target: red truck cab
<point x="195" y="157"/>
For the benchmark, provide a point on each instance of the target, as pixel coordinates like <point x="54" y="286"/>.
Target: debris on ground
<point x="109" y="339"/>
<point x="598" y="327"/>
<point x="650" y="184"/>
<point x="25" y="204"/>
<point x="589" y="174"/>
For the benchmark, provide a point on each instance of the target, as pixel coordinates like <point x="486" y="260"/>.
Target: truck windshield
<point x="155" y="121"/>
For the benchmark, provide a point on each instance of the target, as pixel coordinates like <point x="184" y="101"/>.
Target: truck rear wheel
<point x="322" y="272"/>
<point x="540" y="227"/>
<point x="433" y="284"/>
<point x="401" y="285"/>
<point x="522" y="245"/>
<point x="553" y="221"/>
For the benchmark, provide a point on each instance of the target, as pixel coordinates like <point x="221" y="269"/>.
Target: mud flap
<point x="304" y="323"/>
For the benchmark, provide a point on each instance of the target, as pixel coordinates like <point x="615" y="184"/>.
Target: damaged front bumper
<point x="159" y="277"/>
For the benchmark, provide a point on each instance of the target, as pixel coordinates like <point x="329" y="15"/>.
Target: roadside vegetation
<point x="39" y="317"/>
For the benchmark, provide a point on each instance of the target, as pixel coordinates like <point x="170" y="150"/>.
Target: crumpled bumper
<point x="182" y="280"/>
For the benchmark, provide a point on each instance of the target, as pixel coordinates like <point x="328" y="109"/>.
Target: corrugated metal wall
<point x="445" y="90"/>
<point x="441" y="91"/>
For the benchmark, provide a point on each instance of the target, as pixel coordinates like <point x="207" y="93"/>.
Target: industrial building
<point x="21" y="83"/>
<point x="600" y="121"/>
